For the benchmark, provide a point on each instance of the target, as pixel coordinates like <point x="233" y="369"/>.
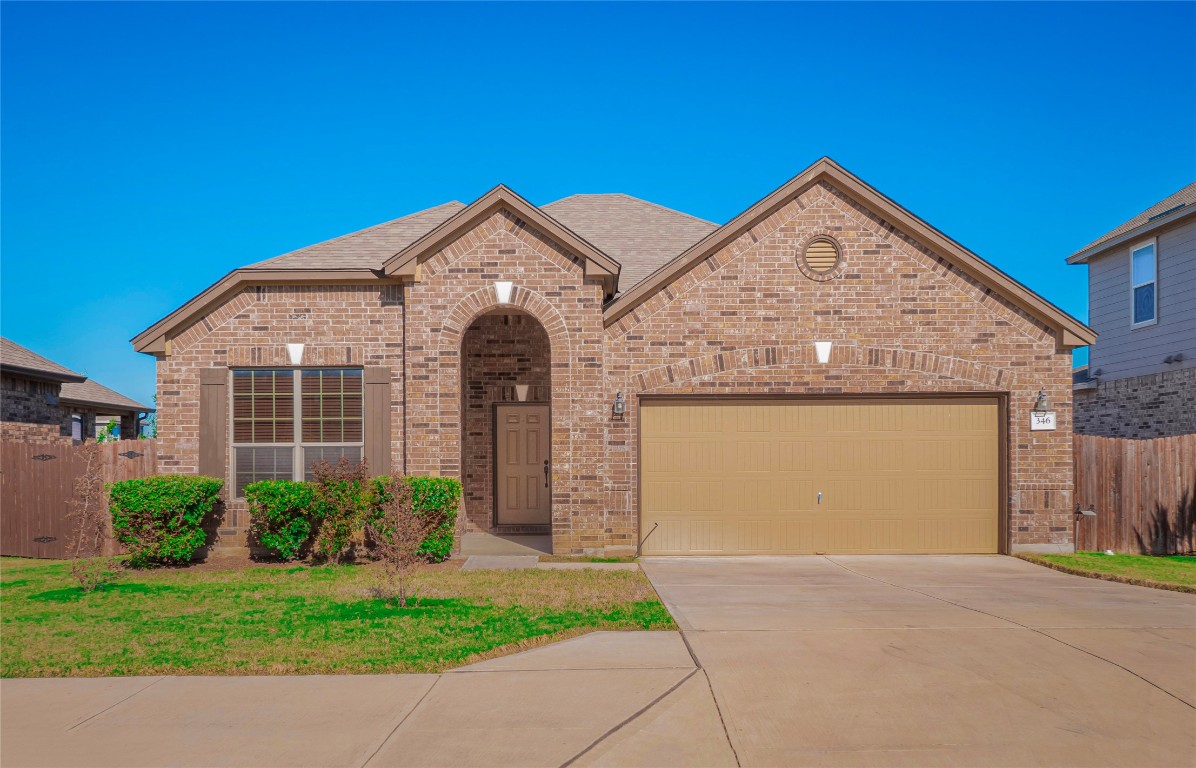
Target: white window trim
<point x="298" y="471"/>
<point x="1154" y="320"/>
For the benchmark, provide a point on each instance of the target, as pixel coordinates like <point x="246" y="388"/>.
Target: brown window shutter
<point x="377" y="420"/>
<point x="213" y="421"/>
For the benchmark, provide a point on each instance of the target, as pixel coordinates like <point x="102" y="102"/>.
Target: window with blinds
<point x="285" y="421"/>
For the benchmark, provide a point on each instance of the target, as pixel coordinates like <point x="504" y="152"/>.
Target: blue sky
<point x="147" y="149"/>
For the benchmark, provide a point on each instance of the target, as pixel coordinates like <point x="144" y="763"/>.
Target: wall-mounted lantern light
<point x="1043" y="403"/>
<point x="620" y="406"/>
<point x="823" y="350"/>
<point x="295" y="353"/>
<point x="503" y="289"/>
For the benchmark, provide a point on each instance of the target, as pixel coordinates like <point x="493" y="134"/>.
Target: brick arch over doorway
<point x="452" y="391"/>
<point x="505" y="359"/>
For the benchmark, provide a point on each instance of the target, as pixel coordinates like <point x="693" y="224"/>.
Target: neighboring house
<point x="823" y="373"/>
<point x="1140" y="380"/>
<point x="42" y="400"/>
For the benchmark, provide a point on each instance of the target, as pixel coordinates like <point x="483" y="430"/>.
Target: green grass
<point x="1173" y="572"/>
<point x="299" y="620"/>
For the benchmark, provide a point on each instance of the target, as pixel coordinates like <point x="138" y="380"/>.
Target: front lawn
<point x="1173" y="572"/>
<point x="299" y="620"/>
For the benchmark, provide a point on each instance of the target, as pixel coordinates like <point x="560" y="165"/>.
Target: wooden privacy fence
<point x="1143" y="492"/>
<point x="37" y="482"/>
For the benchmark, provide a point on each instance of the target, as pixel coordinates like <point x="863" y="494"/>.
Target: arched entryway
<point x="506" y="423"/>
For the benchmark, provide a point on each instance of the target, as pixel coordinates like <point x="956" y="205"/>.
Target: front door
<point x="522" y="465"/>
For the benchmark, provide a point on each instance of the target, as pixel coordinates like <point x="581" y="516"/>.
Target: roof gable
<point x="1070" y="330"/>
<point x="597" y="264"/>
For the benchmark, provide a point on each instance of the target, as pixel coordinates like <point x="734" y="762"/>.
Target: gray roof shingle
<point x="366" y="248"/>
<point x="13" y="355"/>
<point x="95" y="393"/>
<point x="1185" y="197"/>
<point x="640" y="235"/>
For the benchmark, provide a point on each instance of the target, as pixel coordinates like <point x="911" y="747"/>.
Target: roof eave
<point x="1086" y="255"/>
<point x="152" y="341"/>
<point x="115" y="407"/>
<point x="34" y="373"/>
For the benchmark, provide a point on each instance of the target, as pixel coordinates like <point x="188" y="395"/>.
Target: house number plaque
<point x="1040" y="420"/>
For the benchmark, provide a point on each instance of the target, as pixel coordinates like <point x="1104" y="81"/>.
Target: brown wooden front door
<point x="522" y="465"/>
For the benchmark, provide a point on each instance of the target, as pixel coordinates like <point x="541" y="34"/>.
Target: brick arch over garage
<point x="675" y="375"/>
<point x="447" y="381"/>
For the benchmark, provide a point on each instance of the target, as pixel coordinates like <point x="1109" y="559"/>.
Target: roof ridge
<point x="664" y="208"/>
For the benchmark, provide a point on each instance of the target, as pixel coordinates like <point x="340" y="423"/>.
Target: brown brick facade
<point x="743" y="322"/>
<point x="1154" y="405"/>
<point x="902" y="320"/>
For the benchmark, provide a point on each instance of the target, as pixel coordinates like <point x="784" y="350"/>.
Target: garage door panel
<point x="908" y="476"/>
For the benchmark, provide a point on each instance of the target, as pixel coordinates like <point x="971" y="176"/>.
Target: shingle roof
<point x="366" y="248"/>
<point x="1185" y="197"/>
<point x="640" y="235"/>
<point x="13" y="355"/>
<point x="95" y="393"/>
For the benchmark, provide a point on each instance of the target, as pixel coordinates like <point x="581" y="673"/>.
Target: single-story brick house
<point x="824" y="373"/>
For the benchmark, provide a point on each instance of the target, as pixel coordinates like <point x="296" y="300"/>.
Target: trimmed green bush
<point x="280" y="513"/>
<point x="160" y="519"/>
<point x="438" y="497"/>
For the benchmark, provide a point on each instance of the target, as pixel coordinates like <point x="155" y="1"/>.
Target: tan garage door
<point x="744" y="477"/>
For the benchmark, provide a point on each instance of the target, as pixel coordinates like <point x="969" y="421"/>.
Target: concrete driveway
<point x="925" y="661"/>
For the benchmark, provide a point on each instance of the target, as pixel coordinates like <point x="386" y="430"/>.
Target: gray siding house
<point x="1141" y="375"/>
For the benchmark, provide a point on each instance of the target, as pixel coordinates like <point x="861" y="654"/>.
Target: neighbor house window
<point x="1145" y="298"/>
<point x="285" y="421"/>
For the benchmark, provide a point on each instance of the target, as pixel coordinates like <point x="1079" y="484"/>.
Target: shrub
<point x="342" y="498"/>
<point x="281" y="516"/>
<point x="396" y="533"/>
<point x="160" y="519"/>
<point x="437" y="500"/>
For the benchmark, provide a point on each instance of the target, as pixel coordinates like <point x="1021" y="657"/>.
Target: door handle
<point x="820" y="497"/>
<point x="545" y="473"/>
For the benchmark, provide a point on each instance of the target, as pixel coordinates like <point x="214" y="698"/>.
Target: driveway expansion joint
<point x="1035" y="630"/>
<point x="114" y="705"/>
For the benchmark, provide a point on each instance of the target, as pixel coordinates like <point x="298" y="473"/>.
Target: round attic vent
<point x="822" y="255"/>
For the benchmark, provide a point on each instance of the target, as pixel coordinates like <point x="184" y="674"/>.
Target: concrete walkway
<point x="926" y="661"/>
<point x="875" y="661"/>
<point x="561" y="704"/>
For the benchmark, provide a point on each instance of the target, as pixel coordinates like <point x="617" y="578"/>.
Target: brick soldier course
<point x="613" y="295"/>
